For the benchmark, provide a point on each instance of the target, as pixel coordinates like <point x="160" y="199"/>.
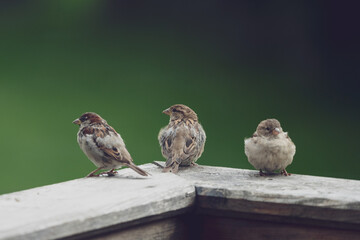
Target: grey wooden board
<point x="297" y="195"/>
<point x="171" y="228"/>
<point x="246" y="229"/>
<point x="87" y="204"/>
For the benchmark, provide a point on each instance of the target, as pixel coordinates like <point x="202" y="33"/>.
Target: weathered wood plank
<point x="171" y="228"/>
<point x="238" y="229"/>
<point x="129" y="204"/>
<point x="295" y="196"/>
<point x="88" y="204"/>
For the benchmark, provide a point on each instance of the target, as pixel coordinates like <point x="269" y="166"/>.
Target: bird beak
<point x="77" y="121"/>
<point x="167" y="111"/>
<point x="276" y="131"/>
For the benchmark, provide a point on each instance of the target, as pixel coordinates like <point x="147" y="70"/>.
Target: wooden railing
<point x="200" y="202"/>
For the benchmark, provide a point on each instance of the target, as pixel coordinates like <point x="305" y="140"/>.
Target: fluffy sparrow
<point x="270" y="149"/>
<point x="182" y="140"/>
<point x="103" y="145"/>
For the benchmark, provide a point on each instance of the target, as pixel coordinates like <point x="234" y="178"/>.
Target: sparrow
<point x="182" y="141"/>
<point x="103" y="145"/>
<point x="270" y="149"/>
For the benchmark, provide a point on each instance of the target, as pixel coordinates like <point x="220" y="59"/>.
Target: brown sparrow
<point x="270" y="149"/>
<point x="103" y="145"/>
<point x="182" y="140"/>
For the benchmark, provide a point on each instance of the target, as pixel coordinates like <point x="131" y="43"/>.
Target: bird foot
<point x="173" y="167"/>
<point x="170" y="169"/>
<point x="111" y="173"/>
<point x="285" y="173"/>
<point x="262" y="173"/>
<point x="93" y="175"/>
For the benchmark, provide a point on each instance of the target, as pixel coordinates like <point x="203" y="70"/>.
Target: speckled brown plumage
<point x="182" y="141"/>
<point x="103" y="145"/>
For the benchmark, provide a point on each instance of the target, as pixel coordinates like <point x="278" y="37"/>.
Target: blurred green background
<point x="235" y="64"/>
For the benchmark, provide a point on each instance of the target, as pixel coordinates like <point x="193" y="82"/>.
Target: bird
<point x="182" y="141"/>
<point x="270" y="149"/>
<point x="103" y="145"/>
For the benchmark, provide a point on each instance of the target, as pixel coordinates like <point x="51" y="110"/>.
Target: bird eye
<point x="267" y="128"/>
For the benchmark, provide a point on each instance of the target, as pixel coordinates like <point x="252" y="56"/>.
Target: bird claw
<point x="111" y="173"/>
<point x="93" y="175"/>
<point x="173" y="167"/>
<point x="262" y="173"/>
<point x="285" y="173"/>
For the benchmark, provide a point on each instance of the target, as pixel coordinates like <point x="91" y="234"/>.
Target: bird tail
<point x="138" y="170"/>
<point x="157" y="164"/>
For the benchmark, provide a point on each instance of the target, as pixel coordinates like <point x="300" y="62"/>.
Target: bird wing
<point x="111" y="152"/>
<point x="112" y="145"/>
<point x="166" y="137"/>
<point x="194" y="142"/>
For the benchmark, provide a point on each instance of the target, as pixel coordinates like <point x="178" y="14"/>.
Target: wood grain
<point x="199" y="202"/>
<point x="238" y="229"/>
<point x="89" y="204"/>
